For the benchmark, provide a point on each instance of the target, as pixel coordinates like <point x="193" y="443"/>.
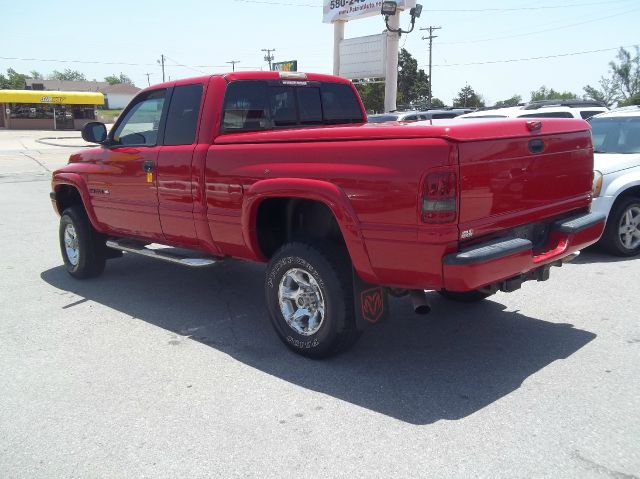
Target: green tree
<point x="36" y="75"/>
<point x="544" y="93"/>
<point x="117" y="79"/>
<point x="13" y="80"/>
<point x="372" y="95"/>
<point x="468" y="98"/>
<point x="607" y="93"/>
<point x="437" y="103"/>
<point x="67" y="75"/>
<point x="413" y="83"/>
<point x="515" y="100"/>
<point x="626" y="74"/>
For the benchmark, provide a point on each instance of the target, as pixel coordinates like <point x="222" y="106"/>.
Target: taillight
<point x="439" y="198"/>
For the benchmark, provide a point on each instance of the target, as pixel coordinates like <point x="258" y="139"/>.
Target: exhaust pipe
<point x="420" y="303"/>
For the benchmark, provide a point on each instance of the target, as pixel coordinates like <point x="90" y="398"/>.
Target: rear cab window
<point x="254" y="105"/>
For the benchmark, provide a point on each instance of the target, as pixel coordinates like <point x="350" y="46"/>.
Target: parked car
<point x="584" y="109"/>
<point x="283" y="168"/>
<point x="616" y="181"/>
<point x="417" y="115"/>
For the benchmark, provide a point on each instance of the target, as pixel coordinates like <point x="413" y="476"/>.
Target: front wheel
<point x="622" y="233"/>
<point x="83" y="249"/>
<point x="309" y="293"/>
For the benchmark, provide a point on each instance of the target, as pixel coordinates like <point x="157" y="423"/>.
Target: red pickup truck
<point x="283" y="168"/>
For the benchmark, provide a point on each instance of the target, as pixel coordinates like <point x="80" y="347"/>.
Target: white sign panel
<point x="335" y="10"/>
<point x="363" y="57"/>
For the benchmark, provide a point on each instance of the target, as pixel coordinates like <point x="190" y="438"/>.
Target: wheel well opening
<point x="281" y="220"/>
<point x="633" y="192"/>
<point x="67" y="196"/>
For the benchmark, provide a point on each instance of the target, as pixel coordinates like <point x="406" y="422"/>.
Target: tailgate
<point x="515" y="181"/>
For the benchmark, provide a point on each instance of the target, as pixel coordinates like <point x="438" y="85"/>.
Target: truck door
<point x="124" y="191"/>
<point x="175" y="165"/>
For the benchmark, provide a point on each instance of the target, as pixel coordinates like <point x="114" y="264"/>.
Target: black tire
<point x="330" y="268"/>
<point x="91" y="249"/>
<point x="464" y="296"/>
<point x="611" y="240"/>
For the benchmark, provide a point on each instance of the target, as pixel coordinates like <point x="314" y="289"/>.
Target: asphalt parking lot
<point x="153" y="370"/>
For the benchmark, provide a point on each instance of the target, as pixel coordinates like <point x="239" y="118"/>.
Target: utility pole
<point x="148" y="81"/>
<point x="269" y="57"/>
<point x="161" y="62"/>
<point x="233" y="64"/>
<point x="430" y="38"/>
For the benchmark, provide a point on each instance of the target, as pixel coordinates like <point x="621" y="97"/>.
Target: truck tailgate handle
<point x="536" y="146"/>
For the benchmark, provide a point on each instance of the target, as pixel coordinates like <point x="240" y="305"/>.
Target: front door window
<point x="141" y="123"/>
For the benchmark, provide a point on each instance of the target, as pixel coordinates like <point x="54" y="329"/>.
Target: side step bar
<point x="168" y="254"/>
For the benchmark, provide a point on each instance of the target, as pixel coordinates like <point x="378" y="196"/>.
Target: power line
<point x="513" y="60"/>
<point x="449" y="10"/>
<point x="233" y="64"/>
<point x="430" y="38"/>
<point x="540" y="31"/>
<point x="269" y="57"/>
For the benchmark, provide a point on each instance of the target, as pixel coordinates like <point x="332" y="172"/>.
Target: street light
<point x="389" y="9"/>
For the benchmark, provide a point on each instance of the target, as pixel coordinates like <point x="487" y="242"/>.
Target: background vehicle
<point x="616" y="184"/>
<point x="417" y="115"/>
<point x="283" y="168"/>
<point x="543" y="109"/>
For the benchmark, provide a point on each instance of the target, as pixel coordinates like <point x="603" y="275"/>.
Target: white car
<point x="584" y="109"/>
<point x="616" y="182"/>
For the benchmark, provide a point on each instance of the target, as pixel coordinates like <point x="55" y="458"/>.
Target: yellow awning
<point x="54" y="97"/>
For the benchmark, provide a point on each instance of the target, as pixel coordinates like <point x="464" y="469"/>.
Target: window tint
<point x="410" y="118"/>
<point x="586" y="114"/>
<point x="282" y="105"/>
<point x="182" y="118"/>
<point x="245" y="106"/>
<point x="548" y="114"/>
<point x="438" y="116"/>
<point x="258" y="105"/>
<point x="309" y="106"/>
<point x="616" y="135"/>
<point x="140" y="125"/>
<point x="340" y="104"/>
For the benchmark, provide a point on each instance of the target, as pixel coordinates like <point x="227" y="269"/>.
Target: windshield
<point x="616" y="134"/>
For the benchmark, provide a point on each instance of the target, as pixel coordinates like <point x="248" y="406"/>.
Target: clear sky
<point x="206" y="34"/>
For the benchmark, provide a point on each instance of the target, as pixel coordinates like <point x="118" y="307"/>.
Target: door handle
<point x="148" y="166"/>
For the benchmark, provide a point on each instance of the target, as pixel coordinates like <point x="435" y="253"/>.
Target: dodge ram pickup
<point x="283" y="168"/>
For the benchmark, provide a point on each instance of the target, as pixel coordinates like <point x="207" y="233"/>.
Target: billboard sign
<point x="363" y="57"/>
<point x="290" y="66"/>
<point x="336" y="10"/>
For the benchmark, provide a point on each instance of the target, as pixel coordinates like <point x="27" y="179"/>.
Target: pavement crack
<point x="37" y="161"/>
<point x="594" y="466"/>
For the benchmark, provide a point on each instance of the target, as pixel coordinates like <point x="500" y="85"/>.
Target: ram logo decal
<point x="372" y="304"/>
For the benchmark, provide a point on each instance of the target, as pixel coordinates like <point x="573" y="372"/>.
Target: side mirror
<point x="94" y="132"/>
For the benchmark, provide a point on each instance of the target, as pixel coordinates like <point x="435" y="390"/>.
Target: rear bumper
<point x="511" y="258"/>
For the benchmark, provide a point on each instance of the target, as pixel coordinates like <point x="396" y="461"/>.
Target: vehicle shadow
<point x="446" y="365"/>
<point x="595" y="254"/>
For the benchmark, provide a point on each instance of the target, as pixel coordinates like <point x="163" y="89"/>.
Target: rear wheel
<point x="622" y="234"/>
<point x="464" y="296"/>
<point x="83" y="249"/>
<point x="309" y="293"/>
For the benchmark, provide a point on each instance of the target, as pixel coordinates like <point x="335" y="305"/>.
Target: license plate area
<point x="537" y="233"/>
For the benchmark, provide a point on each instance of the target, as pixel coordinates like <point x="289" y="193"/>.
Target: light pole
<point x="269" y="57"/>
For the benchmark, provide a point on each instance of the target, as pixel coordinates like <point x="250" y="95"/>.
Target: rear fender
<point x="76" y="181"/>
<point x="327" y="193"/>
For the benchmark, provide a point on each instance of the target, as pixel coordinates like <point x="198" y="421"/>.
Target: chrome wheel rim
<point x="71" y="244"/>
<point x="629" y="228"/>
<point x="301" y="301"/>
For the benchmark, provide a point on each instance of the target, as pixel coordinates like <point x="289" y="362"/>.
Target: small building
<point x="116" y="96"/>
<point x="47" y="110"/>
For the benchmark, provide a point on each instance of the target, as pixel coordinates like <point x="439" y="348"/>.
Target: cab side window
<point x="140" y="125"/>
<point x="182" y="118"/>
